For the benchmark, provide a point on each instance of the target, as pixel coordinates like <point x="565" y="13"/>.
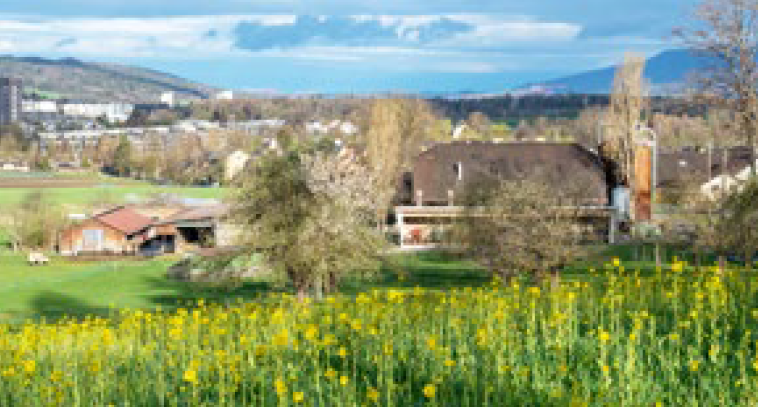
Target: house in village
<point x="120" y="231"/>
<point x="443" y="174"/>
<point x="710" y="171"/>
<point x="14" y="165"/>
<point x="148" y="230"/>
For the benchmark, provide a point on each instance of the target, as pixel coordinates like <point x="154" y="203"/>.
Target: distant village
<point x="428" y="196"/>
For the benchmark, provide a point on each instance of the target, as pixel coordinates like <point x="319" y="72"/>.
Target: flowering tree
<point x="310" y="216"/>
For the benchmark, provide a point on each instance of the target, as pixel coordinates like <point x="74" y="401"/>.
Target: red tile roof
<point x="125" y="220"/>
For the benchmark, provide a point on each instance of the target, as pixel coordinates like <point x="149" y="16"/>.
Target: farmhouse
<point x="195" y="228"/>
<point x="119" y="230"/>
<point x="444" y="174"/>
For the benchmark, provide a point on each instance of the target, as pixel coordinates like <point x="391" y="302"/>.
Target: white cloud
<point x="489" y="33"/>
<point x="6" y="46"/>
<point x="532" y="44"/>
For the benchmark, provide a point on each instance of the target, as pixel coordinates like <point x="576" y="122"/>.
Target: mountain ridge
<point x="73" y="78"/>
<point x="666" y="72"/>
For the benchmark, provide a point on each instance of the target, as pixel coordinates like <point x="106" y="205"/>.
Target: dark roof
<point x="198" y="213"/>
<point x="124" y="220"/>
<point x="691" y="165"/>
<point x="436" y="171"/>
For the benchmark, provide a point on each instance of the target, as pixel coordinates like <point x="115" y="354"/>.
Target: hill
<point x="666" y="72"/>
<point x="76" y="79"/>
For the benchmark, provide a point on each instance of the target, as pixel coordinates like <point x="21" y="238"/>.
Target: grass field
<point x="431" y="330"/>
<point x="117" y="193"/>
<point x="81" y="189"/>
<point x="674" y="338"/>
<point x="81" y="288"/>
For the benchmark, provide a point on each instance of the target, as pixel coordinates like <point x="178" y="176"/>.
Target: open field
<point x="81" y="189"/>
<point x="432" y="330"/>
<point x="673" y="338"/>
<point x="84" y="195"/>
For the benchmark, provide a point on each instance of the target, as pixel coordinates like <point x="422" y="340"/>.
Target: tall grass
<point x="675" y="338"/>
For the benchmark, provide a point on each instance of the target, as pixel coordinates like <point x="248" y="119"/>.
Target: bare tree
<point x="726" y="33"/>
<point x="625" y="112"/>
<point x="396" y="130"/>
<point x="523" y="226"/>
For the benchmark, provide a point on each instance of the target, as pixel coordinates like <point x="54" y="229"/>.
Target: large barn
<point x="436" y="191"/>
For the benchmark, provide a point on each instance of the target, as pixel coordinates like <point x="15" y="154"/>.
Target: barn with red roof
<point x="119" y="230"/>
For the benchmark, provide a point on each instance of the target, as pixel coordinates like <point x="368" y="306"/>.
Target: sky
<point x="346" y="45"/>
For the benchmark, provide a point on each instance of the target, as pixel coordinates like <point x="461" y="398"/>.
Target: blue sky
<point x="346" y="46"/>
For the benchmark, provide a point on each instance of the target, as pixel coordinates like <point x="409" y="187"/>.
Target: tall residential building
<point x="10" y="100"/>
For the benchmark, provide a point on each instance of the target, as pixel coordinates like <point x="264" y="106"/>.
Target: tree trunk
<point x="698" y="260"/>
<point x="748" y="260"/>
<point x="658" y="265"/>
<point x="555" y="279"/>
<point x="722" y="264"/>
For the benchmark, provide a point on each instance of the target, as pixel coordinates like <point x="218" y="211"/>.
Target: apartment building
<point x="10" y="100"/>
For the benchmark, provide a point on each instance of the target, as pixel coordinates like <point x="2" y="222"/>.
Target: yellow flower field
<point x="672" y="339"/>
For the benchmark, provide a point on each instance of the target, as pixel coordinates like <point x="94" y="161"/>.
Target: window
<point x="93" y="239"/>
<point x="458" y="169"/>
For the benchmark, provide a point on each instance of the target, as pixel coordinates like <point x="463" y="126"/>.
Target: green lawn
<point x="82" y="188"/>
<point x="77" y="288"/>
<point x="70" y="288"/>
<point x="83" y="196"/>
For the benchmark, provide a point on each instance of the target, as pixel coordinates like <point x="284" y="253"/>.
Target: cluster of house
<point x="148" y="229"/>
<point x="430" y="197"/>
<point x="137" y="135"/>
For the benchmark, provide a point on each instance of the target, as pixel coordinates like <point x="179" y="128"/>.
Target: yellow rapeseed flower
<point x="430" y="391"/>
<point x="449" y="363"/>
<point x="694" y="365"/>
<point x="330" y="373"/>
<point x="190" y="376"/>
<point x="372" y="394"/>
<point x="282" y="338"/>
<point x="342" y="352"/>
<point x="298" y="396"/>
<point x="344" y="380"/>
<point x="280" y="387"/>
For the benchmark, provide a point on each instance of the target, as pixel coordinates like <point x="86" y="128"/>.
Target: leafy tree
<point x="33" y="223"/>
<point x="122" y="157"/>
<point x="310" y="216"/>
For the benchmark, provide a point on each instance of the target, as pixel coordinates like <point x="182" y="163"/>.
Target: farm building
<point x="194" y="228"/>
<point x="433" y="195"/>
<point x="119" y="230"/>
